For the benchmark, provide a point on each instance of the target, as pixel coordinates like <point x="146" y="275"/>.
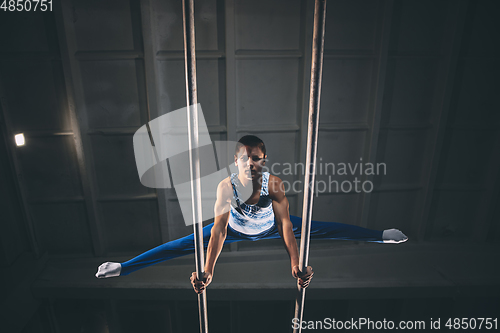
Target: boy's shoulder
<point x="225" y="184"/>
<point x="275" y="185"/>
<point x="224" y="190"/>
<point x="274" y="179"/>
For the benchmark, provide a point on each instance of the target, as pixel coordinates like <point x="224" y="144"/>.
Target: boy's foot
<point x="393" y="236"/>
<point x="108" y="269"/>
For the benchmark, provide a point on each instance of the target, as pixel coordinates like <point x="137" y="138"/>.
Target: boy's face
<point x="250" y="161"/>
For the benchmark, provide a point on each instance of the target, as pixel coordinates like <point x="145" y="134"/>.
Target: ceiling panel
<point x="477" y="93"/>
<point x="49" y="167"/>
<point x="417" y="30"/>
<point x="392" y="209"/>
<point x="351" y="25"/>
<point x="211" y="88"/>
<point x="62" y="228"/>
<point x="103" y="25"/>
<point x="483" y="29"/>
<point x="26" y="31"/>
<point x="33" y="98"/>
<point x="115" y="166"/>
<point x="466" y="157"/>
<point x="340" y="148"/>
<point x="267" y="92"/>
<point x="267" y="25"/>
<point x="168" y="25"/>
<point x="333" y="207"/>
<point x="402" y="152"/>
<point x="111" y="93"/>
<point x="130" y="225"/>
<point x="345" y="91"/>
<point x="177" y="227"/>
<point x="410" y="95"/>
<point x="452" y="213"/>
<point x="496" y="222"/>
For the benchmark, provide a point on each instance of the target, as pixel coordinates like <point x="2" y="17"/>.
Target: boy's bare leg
<point x="393" y="236"/>
<point x="108" y="269"/>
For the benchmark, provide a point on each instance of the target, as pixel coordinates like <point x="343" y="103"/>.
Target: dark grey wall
<point x="404" y="85"/>
<point x="412" y="84"/>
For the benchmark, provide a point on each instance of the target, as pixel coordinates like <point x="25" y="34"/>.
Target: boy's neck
<point x="256" y="182"/>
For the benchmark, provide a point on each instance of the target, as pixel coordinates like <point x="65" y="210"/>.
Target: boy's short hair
<point x="251" y="141"/>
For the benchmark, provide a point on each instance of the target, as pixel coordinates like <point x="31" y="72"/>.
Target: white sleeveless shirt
<point x="251" y="219"/>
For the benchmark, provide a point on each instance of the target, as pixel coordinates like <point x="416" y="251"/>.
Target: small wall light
<point x="20" y="139"/>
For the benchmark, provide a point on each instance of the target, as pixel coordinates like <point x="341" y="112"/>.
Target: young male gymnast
<point x="264" y="215"/>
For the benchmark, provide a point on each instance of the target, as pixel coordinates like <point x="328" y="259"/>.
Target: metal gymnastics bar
<point x="194" y="158"/>
<point x="312" y="145"/>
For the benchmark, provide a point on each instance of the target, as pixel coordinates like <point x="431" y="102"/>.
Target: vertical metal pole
<point x="312" y="145"/>
<point x="194" y="158"/>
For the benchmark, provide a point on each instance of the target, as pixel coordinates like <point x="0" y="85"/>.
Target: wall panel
<point x="452" y="215"/>
<point x="351" y="25"/>
<point x="211" y="88"/>
<point x="477" y="102"/>
<point x="32" y="94"/>
<point x="418" y="29"/>
<point x="482" y="37"/>
<point x="267" y="90"/>
<point x="339" y="147"/>
<point x="62" y="228"/>
<point x="267" y="25"/>
<point x="402" y="152"/>
<point x="26" y="32"/>
<point x="50" y="167"/>
<point x="115" y="166"/>
<point x="168" y="25"/>
<point x="346" y="89"/>
<point x="111" y="93"/>
<point x="103" y="25"/>
<point x="412" y="94"/>
<point x="130" y="226"/>
<point x="466" y="158"/>
<point x="341" y="207"/>
<point x="394" y="209"/>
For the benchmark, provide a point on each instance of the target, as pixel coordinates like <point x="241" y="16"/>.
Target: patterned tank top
<point x="251" y="219"/>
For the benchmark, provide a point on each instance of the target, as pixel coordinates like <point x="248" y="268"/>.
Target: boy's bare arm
<point x="285" y="229"/>
<point x="217" y="237"/>
<point x="219" y="230"/>
<point x="282" y="218"/>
